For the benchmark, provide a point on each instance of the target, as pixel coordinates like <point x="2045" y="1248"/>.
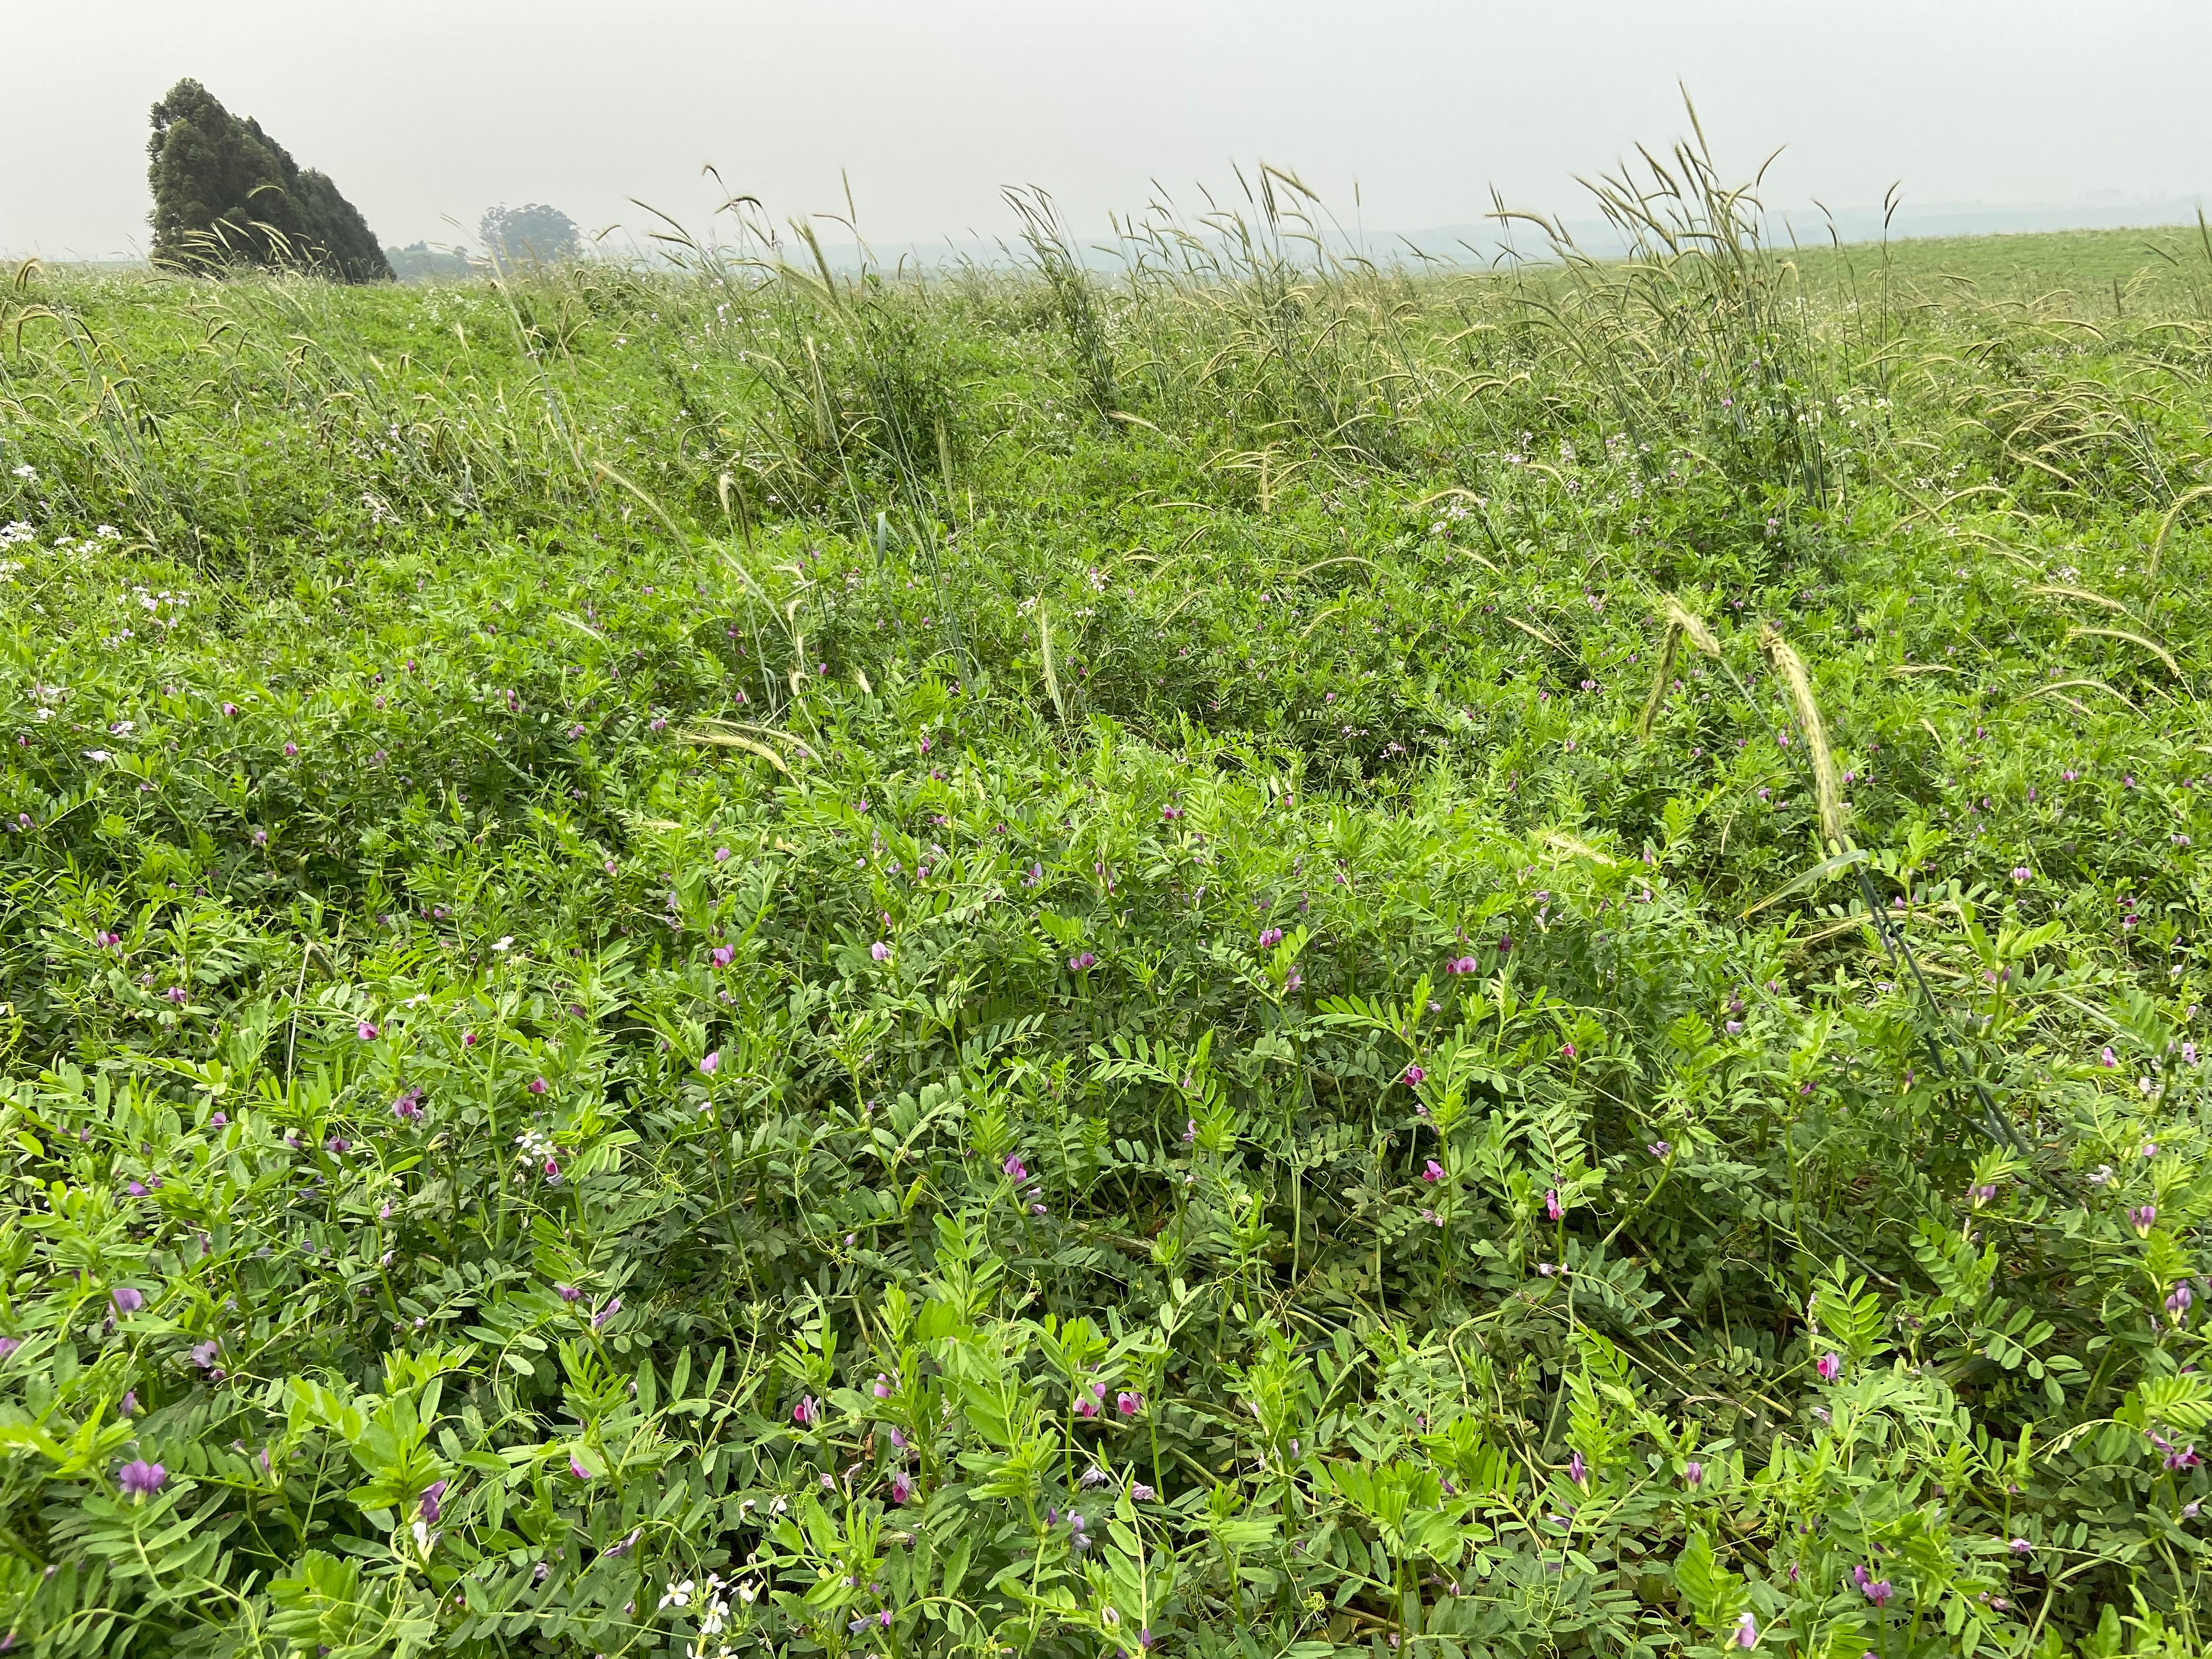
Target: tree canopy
<point x="533" y="231"/>
<point x="226" y="193"/>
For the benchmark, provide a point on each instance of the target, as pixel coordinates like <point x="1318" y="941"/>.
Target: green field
<point x="1235" y="959"/>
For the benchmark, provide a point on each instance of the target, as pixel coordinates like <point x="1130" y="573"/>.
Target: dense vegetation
<point x="226" y="194"/>
<point x="711" y="960"/>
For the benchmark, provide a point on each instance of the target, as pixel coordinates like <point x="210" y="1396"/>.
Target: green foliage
<point x="688" y="962"/>
<point x="226" y="194"/>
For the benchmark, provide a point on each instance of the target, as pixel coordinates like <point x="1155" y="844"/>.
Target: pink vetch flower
<point x="1015" y="1169"/>
<point x="902" y="1487"/>
<point x="2177" y="1304"/>
<point x="711" y="1061"/>
<point x="1829" y="1366"/>
<point x="204" y="1356"/>
<point x="291" y="751"/>
<point x="408" y="1108"/>
<point x="537" y="1086"/>
<point x="178" y="994"/>
<point x="426" y="1507"/>
<point x="127" y="1300"/>
<point x="2107" y="1059"/>
<point x="1270" y="937"/>
<point x="1086" y="1408"/>
<point x="1659" y="1149"/>
<point x="1128" y="1403"/>
<point x="722" y="954"/>
<point x="1552" y="1207"/>
<point x="1433" y="1171"/>
<point x="1747" y="1631"/>
<point x="576" y="1467"/>
<point x="1579" y="1471"/>
<point x="1082" y="962"/>
<point x="2141" y="1216"/>
<point x="366" y="1032"/>
<point x="807" y="1412"/>
<point x="880" y="952"/>
<point x="1566" y="1051"/>
<point x="1414" y="1074"/>
<point x="230" y="711"/>
<point x="2021" y="872"/>
<point x="568" y="1293"/>
<point x="140" y="1479"/>
<point x="127" y="1405"/>
<point x="1459" y="965"/>
<point x="1694" y="1474"/>
<point x="600" y="1317"/>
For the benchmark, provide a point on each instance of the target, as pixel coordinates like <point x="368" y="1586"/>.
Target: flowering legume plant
<point x="697" y="962"/>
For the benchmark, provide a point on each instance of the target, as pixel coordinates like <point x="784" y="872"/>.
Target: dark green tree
<point x="226" y="193"/>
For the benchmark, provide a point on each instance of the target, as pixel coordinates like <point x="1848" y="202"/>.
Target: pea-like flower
<point x="140" y="1479"/>
<point x="1830" y="1367"/>
<point x="127" y="1300"/>
<point x="2141" y="1216"/>
<point x="1128" y="1402"/>
<point x="1433" y="1171"/>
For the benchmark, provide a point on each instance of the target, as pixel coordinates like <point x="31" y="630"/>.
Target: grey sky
<point x="421" y="109"/>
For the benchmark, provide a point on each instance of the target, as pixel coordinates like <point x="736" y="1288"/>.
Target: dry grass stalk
<point x="1827" y="784"/>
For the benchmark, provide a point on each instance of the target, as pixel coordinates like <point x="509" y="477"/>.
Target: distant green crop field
<point x="2098" y="273"/>
<point x="1238" y="960"/>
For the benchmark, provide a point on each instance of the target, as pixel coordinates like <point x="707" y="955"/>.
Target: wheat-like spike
<point x="1826" y="784"/>
<point x="1674" y="637"/>
<point x="1679" y="615"/>
<point x="1051" y="677"/>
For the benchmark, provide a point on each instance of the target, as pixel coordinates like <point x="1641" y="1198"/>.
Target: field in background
<point x="1234" y="959"/>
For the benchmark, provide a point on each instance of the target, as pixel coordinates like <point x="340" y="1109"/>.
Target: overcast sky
<point x="429" y="110"/>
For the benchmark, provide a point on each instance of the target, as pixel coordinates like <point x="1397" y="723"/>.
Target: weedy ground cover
<point x="1263" y="957"/>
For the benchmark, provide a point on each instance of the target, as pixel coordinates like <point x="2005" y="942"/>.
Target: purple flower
<point x="218" y="1119"/>
<point x="1579" y="1471"/>
<point x="1127" y="1403"/>
<point x="2020" y="1546"/>
<point x="1829" y="1366"/>
<point x="576" y="1467"/>
<point x="408" y="1108"/>
<point x="1270" y="937"/>
<point x="134" y="1188"/>
<point x="2141" y="1217"/>
<point x="1552" y="1203"/>
<point x="8" y="1345"/>
<point x="1015" y="1169"/>
<point x="230" y="711"/>
<point x="2178" y="1303"/>
<point x="127" y="1300"/>
<point x="902" y="1487"/>
<point x="2021" y="872"/>
<point x="204" y="1355"/>
<point x="711" y="1062"/>
<point x="1415" y="1074"/>
<point x="1659" y="1149"/>
<point x="880" y="952"/>
<point x="336" y="1144"/>
<point x="140" y="1479"/>
<point x="1459" y="965"/>
<point x="568" y="1293"/>
<point x="2106" y="1058"/>
<point x="426" y="1507"/>
<point x="1747" y="1631"/>
<point x="1433" y="1171"/>
<point x="1142" y="1493"/>
<point x="291" y="751"/>
<point x="1082" y="962"/>
<point x="722" y="954"/>
<point x="367" y="1032"/>
<point x="537" y="1086"/>
<point x="600" y="1317"/>
<point x="129" y="1404"/>
<point x="1694" y="1474"/>
<point x="807" y="1412"/>
<point x="177" y="994"/>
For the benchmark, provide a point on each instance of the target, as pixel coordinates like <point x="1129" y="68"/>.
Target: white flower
<point x="97" y="755"/>
<point x="108" y="532"/>
<point x="503" y="944"/>
<point x="679" y="1595"/>
<point x="27" y="471"/>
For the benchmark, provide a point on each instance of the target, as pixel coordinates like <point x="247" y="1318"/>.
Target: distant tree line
<point x="227" y="194"/>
